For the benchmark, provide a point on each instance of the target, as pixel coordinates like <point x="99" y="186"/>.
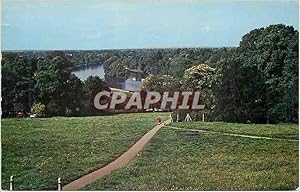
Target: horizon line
<point x="106" y="49"/>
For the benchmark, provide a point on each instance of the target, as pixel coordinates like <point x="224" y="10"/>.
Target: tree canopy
<point x="258" y="81"/>
<point x="161" y="83"/>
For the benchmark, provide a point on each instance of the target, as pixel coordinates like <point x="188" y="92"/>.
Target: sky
<point x="121" y="24"/>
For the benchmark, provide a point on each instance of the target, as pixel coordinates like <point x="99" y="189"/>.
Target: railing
<point x="11" y="183"/>
<point x="187" y="118"/>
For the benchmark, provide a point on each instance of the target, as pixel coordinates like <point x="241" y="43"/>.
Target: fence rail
<point x="11" y="183"/>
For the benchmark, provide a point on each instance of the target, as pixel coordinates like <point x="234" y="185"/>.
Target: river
<point x="84" y="71"/>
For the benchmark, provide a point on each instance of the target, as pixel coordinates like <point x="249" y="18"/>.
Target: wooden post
<point x="203" y="118"/>
<point x="59" y="184"/>
<point x="11" y="183"/>
<point x="177" y="117"/>
<point x="171" y="118"/>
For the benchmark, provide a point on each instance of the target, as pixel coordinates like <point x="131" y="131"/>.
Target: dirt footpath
<point x="117" y="163"/>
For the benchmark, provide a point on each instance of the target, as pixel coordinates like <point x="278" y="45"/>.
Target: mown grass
<point x="210" y="162"/>
<point x="287" y="131"/>
<point x="38" y="151"/>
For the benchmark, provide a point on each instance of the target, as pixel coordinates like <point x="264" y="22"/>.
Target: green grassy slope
<point x="211" y="161"/>
<point x="38" y="151"/>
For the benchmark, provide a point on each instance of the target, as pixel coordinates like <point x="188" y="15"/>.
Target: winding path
<point x="117" y="163"/>
<point x="234" y="134"/>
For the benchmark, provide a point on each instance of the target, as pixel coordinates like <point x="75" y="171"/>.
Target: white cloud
<point x="205" y="28"/>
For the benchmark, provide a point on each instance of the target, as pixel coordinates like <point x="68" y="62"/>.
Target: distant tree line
<point x="255" y="82"/>
<point x="43" y="77"/>
<point x="150" y="61"/>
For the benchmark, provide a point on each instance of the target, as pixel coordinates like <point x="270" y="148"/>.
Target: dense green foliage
<point x="42" y="76"/>
<point x="255" y="82"/>
<point x="198" y="77"/>
<point x="178" y="65"/>
<point x="116" y="69"/>
<point x="30" y="80"/>
<point x="91" y="87"/>
<point x="201" y="78"/>
<point x="150" y="61"/>
<point x="258" y="81"/>
<point x="17" y="83"/>
<point x="211" y="161"/>
<point x="160" y="83"/>
<point x="37" y="151"/>
<point x="57" y="88"/>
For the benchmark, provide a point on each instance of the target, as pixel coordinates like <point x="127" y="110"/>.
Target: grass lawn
<point x="211" y="161"/>
<point x="38" y="151"/>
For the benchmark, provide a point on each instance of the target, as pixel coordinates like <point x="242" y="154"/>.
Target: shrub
<point x="38" y="109"/>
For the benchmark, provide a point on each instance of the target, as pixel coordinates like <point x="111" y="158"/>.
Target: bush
<point x="38" y="109"/>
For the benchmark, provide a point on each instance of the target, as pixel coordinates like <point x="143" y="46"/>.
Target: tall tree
<point x="17" y="84"/>
<point x="265" y="77"/>
<point x="92" y="86"/>
<point x="53" y="85"/>
<point x="200" y="78"/>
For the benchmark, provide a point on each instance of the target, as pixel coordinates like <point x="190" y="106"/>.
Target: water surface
<point x="84" y="71"/>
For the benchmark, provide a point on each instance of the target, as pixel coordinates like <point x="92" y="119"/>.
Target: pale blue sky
<point x="106" y="24"/>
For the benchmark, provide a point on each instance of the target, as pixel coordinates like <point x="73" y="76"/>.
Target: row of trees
<point x="150" y="61"/>
<point x="42" y="77"/>
<point x="255" y="82"/>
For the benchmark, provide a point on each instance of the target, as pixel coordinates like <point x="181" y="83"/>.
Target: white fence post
<point x="177" y="117"/>
<point x="188" y="117"/>
<point x="203" y="118"/>
<point x="59" y="184"/>
<point x="11" y="183"/>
